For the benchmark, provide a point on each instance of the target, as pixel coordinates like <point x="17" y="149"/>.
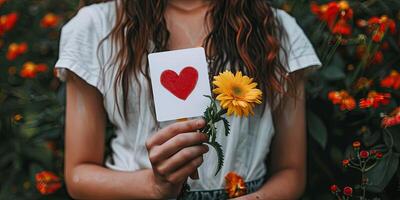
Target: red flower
<point x="378" y="57"/>
<point x="392" y="80"/>
<point x="15" y="50"/>
<point x="392" y="119"/>
<point x="41" y="68"/>
<point x="379" y="155"/>
<point x="47" y="182"/>
<point x="50" y="20"/>
<point x="364" y="154"/>
<point x="7" y="22"/>
<point x="345" y="162"/>
<point x="235" y="185"/>
<point x="336" y="15"/>
<point x="347" y="191"/>
<point x="334" y="188"/>
<point x="342" y="98"/>
<point x="374" y="99"/>
<point x="379" y="26"/>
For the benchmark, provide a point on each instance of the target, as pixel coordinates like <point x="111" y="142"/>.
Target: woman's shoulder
<point x="287" y="21"/>
<point x="97" y="17"/>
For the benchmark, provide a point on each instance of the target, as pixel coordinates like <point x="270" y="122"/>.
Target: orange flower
<point x="356" y="144"/>
<point x="50" y="20"/>
<point x="343" y="99"/>
<point x="336" y="15"/>
<point x="235" y="185"/>
<point x="363" y="83"/>
<point x="30" y="69"/>
<point x="392" y="80"/>
<point x="379" y="26"/>
<point x="7" y="22"/>
<point x="374" y="99"/>
<point x="47" y="182"/>
<point x="392" y="119"/>
<point x="15" y="50"/>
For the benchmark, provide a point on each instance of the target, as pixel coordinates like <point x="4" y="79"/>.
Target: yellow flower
<point x="237" y="93"/>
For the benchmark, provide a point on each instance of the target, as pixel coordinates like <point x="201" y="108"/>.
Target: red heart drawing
<point x="181" y="85"/>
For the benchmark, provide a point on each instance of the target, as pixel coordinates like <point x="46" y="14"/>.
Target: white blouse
<point x="245" y="148"/>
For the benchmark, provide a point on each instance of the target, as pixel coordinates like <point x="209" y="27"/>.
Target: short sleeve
<point x="299" y="50"/>
<point x="78" y="48"/>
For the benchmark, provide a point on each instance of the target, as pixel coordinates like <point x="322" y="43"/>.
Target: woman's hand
<point x="175" y="153"/>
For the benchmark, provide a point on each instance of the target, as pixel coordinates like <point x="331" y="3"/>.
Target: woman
<point x="105" y="46"/>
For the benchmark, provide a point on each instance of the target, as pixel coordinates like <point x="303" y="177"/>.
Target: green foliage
<point x="213" y="115"/>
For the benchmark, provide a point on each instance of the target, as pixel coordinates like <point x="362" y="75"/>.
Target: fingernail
<point x="200" y="123"/>
<point x="207" y="148"/>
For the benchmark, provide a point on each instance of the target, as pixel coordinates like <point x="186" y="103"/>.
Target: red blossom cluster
<point x="343" y="99"/>
<point x="336" y="14"/>
<point x="47" y="182"/>
<point x="30" y="69"/>
<point x="378" y="26"/>
<point x="392" y="80"/>
<point x="7" y="22"/>
<point x="363" y="160"/>
<point x="347" y="191"/>
<point x="375" y="99"/>
<point x="393" y="119"/>
<point x="15" y="50"/>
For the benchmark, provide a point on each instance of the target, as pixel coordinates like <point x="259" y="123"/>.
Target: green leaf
<point x="382" y="173"/>
<point x="317" y="129"/>
<point x="226" y="126"/>
<point x="220" y="154"/>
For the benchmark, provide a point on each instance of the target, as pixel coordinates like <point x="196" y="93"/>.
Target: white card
<point x="180" y="80"/>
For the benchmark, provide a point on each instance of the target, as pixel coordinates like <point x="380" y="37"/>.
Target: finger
<point x="174" y="129"/>
<point x="180" y="159"/>
<point x="183" y="173"/>
<point x="195" y="175"/>
<point x="172" y="146"/>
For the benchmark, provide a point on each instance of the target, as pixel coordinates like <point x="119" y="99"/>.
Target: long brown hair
<point x="245" y="34"/>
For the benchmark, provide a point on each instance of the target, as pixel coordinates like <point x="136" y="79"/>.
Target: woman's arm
<point x="288" y="150"/>
<point x="174" y="152"/>
<point x="85" y="176"/>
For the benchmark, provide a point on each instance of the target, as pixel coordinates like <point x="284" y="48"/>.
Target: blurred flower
<point x="392" y="80"/>
<point x="336" y="15"/>
<point x="379" y="155"/>
<point x="15" y="50"/>
<point x="347" y="191"/>
<point x="378" y="57"/>
<point x="334" y="188"/>
<point x="235" y="185"/>
<point x="7" y="22"/>
<point x="392" y="119"/>
<point x="345" y="162"/>
<point x="356" y="144"/>
<point x="17" y="117"/>
<point x="374" y="99"/>
<point x="2" y="2"/>
<point x="47" y="182"/>
<point x="237" y="93"/>
<point x="30" y="69"/>
<point x="50" y="20"/>
<point x="378" y="26"/>
<point x="364" y="154"/>
<point x="343" y="99"/>
<point x="363" y="83"/>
